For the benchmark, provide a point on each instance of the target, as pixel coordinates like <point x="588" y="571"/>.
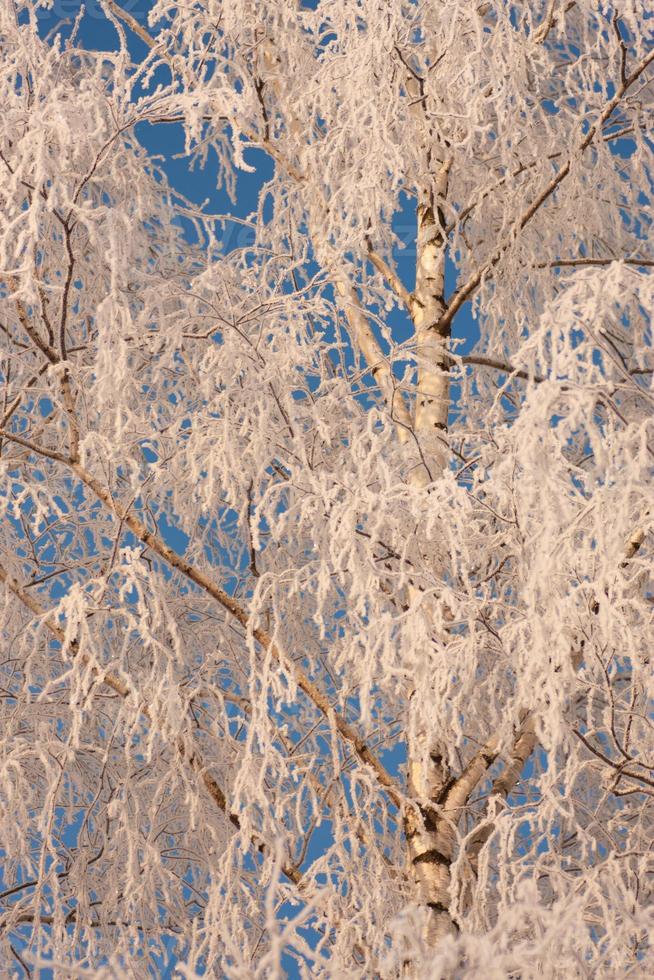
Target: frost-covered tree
<point x="326" y="648"/>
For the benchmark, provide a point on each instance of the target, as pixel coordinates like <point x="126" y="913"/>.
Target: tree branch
<point x="525" y="743"/>
<point x="504" y="366"/>
<point x="193" y="758"/>
<point x="463" y="294"/>
<point x="199" y="578"/>
<point x="377" y="363"/>
<point x="33" y="447"/>
<point x="113" y="682"/>
<point x="563" y="263"/>
<point x="390" y="276"/>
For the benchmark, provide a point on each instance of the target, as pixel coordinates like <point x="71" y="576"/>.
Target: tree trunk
<point x="431" y="835"/>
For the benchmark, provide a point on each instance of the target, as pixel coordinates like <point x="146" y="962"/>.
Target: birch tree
<point x="326" y="647"/>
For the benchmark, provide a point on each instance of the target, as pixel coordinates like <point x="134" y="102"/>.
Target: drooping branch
<point x="206" y="583"/>
<point x="465" y="292"/>
<point x="378" y="365"/>
<point x="189" y="755"/>
<point x="525" y="743"/>
<point x="320" y="700"/>
<point x="390" y="276"/>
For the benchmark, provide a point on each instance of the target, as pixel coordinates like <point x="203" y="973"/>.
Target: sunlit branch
<point x="463" y="294"/>
<point x="562" y="263"/>
<point x="187" y="753"/>
<point x="391" y="277"/>
<point x="376" y="362"/>
<point x="121" y="688"/>
<point x="199" y="578"/>
<point x="525" y="742"/>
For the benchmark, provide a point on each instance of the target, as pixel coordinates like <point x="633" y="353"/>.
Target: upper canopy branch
<point x="463" y="294"/>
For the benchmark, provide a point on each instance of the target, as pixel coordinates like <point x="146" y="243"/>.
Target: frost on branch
<point x="327" y="640"/>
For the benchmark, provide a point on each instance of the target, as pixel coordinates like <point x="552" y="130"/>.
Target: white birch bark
<point x="431" y="835"/>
